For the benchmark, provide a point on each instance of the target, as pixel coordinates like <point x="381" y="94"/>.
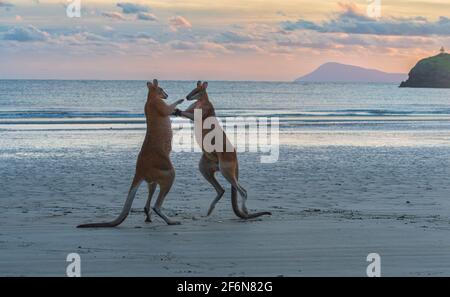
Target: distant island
<point x="336" y="72"/>
<point x="433" y="72"/>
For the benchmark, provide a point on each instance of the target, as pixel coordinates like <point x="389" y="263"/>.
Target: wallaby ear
<point x="199" y="83"/>
<point x="205" y="85"/>
<point x="155" y="83"/>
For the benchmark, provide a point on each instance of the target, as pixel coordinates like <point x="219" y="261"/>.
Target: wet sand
<point x="332" y="205"/>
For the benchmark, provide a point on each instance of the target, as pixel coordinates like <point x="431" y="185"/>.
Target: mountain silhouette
<point x="336" y="72"/>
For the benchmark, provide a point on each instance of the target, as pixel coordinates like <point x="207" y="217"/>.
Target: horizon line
<point x="195" y="80"/>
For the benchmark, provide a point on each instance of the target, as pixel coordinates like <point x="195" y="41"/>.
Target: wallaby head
<point x="155" y="90"/>
<point x="198" y="92"/>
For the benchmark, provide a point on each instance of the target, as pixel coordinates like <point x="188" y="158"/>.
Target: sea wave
<point x="383" y="112"/>
<point x="281" y="113"/>
<point x="344" y="113"/>
<point x="61" y="119"/>
<point x="58" y="114"/>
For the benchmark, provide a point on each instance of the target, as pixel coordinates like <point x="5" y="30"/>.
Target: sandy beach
<point x="332" y="205"/>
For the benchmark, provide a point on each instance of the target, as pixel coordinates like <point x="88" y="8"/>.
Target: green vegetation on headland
<point x="433" y="72"/>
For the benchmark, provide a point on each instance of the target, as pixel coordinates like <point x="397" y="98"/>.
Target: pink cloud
<point x="179" y="22"/>
<point x="114" y="15"/>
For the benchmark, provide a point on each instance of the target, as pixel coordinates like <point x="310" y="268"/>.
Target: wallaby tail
<point x="125" y="211"/>
<point x="239" y="212"/>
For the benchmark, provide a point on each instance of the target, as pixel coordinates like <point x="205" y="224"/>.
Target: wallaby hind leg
<point x="147" y="208"/>
<point x="164" y="188"/>
<point x="232" y="178"/>
<point x="220" y="191"/>
<point x="244" y="197"/>
<point x="230" y="175"/>
<point x="207" y="169"/>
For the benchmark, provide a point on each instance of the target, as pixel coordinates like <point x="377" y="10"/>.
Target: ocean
<point x="66" y="105"/>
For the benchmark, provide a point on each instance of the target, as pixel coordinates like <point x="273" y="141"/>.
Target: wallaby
<point x="225" y="161"/>
<point x="153" y="163"/>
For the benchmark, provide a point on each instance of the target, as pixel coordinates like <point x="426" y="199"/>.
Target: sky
<point x="269" y="40"/>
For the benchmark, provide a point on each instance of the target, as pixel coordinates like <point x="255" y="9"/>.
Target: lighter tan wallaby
<point x="153" y="165"/>
<point x="224" y="161"/>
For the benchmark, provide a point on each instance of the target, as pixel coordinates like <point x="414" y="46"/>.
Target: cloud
<point x="146" y="16"/>
<point x="77" y="41"/>
<point x="300" y="25"/>
<point x="206" y="46"/>
<point x="26" y="34"/>
<point x="342" y="41"/>
<point x="179" y="22"/>
<point x="88" y="36"/>
<point x="113" y="15"/>
<point x="234" y="37"/>
<point x="246" y="48"/>
<point x="352" y="11"/>
<point x="197" y="46"/>
<point x="132" y="8"/>
<point x="212" y="47"/>
<point x="353" y="21"/>
<point x="6" y="5"/>
<point x="80" y="38"/>
<point x="147" y="36"/>
<point x="108" y="28"/>
<point x="141" y="36"/>
<point x="183" y="45"/>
